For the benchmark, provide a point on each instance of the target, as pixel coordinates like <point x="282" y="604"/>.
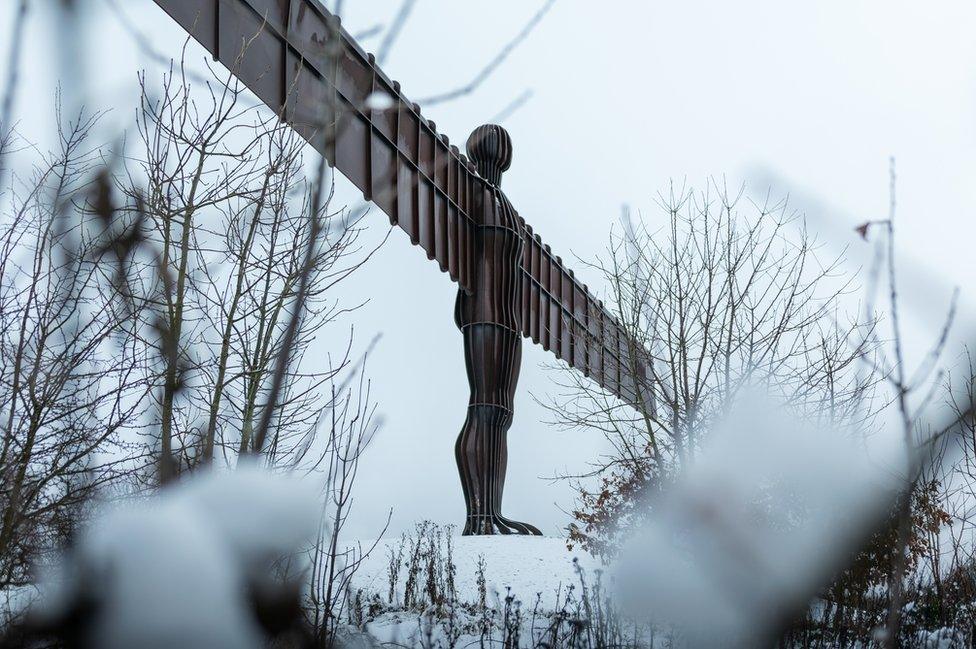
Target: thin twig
<point x="512" y="107"/>
<point x="487" y="71"/>
<point x="394" y="31"/>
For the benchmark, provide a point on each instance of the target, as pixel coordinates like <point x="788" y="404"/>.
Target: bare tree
<point x="955" y="574"/>
<point x="724" y="303"/>
<point x="228" y="217"/>
<point x="70" y="385"/>
<point x="912" y="392"/>
<point x="351" y="426"/>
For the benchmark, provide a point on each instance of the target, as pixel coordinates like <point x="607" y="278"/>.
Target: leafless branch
<point x="493" y="65"/>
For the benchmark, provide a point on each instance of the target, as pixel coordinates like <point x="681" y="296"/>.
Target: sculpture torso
<point x="498" y="256"/>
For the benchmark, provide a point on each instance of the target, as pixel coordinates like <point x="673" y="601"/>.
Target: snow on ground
<point x="526" y="564"/>
<point x="533" y="590"/>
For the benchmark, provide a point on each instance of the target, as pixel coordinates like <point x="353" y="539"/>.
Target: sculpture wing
<point x="297" y="59"/>
<point x="560" y="313"/>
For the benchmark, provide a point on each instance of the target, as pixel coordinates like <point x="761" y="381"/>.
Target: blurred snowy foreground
<point x="731" y="552"/>
<point x="184" y="569"/>
<point x="755" y="527"/>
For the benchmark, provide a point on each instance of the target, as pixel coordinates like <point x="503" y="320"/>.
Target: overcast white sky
<point x="807" y="99"/>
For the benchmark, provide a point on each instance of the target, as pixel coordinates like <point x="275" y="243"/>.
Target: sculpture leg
<point x="492" y="357"/>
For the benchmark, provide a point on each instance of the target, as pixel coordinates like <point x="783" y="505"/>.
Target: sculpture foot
<point x="490" y="524"/>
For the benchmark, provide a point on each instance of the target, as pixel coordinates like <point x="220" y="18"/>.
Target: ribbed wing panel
<point x="560" y="313"/>
<point x="297" y="59"/>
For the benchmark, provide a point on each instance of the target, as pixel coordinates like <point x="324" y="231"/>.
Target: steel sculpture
<point x="296" y="57"/>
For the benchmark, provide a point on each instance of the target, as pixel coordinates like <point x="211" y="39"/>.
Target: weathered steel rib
<point x="296" y="57"/>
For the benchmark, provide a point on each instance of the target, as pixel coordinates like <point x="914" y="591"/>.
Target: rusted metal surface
<point x="295" y="56"/>
<point x="297" y="59"/>
<point x="561" y="314"/>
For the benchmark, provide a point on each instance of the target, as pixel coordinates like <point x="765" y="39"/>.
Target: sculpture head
<point x="490" y="148"/>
